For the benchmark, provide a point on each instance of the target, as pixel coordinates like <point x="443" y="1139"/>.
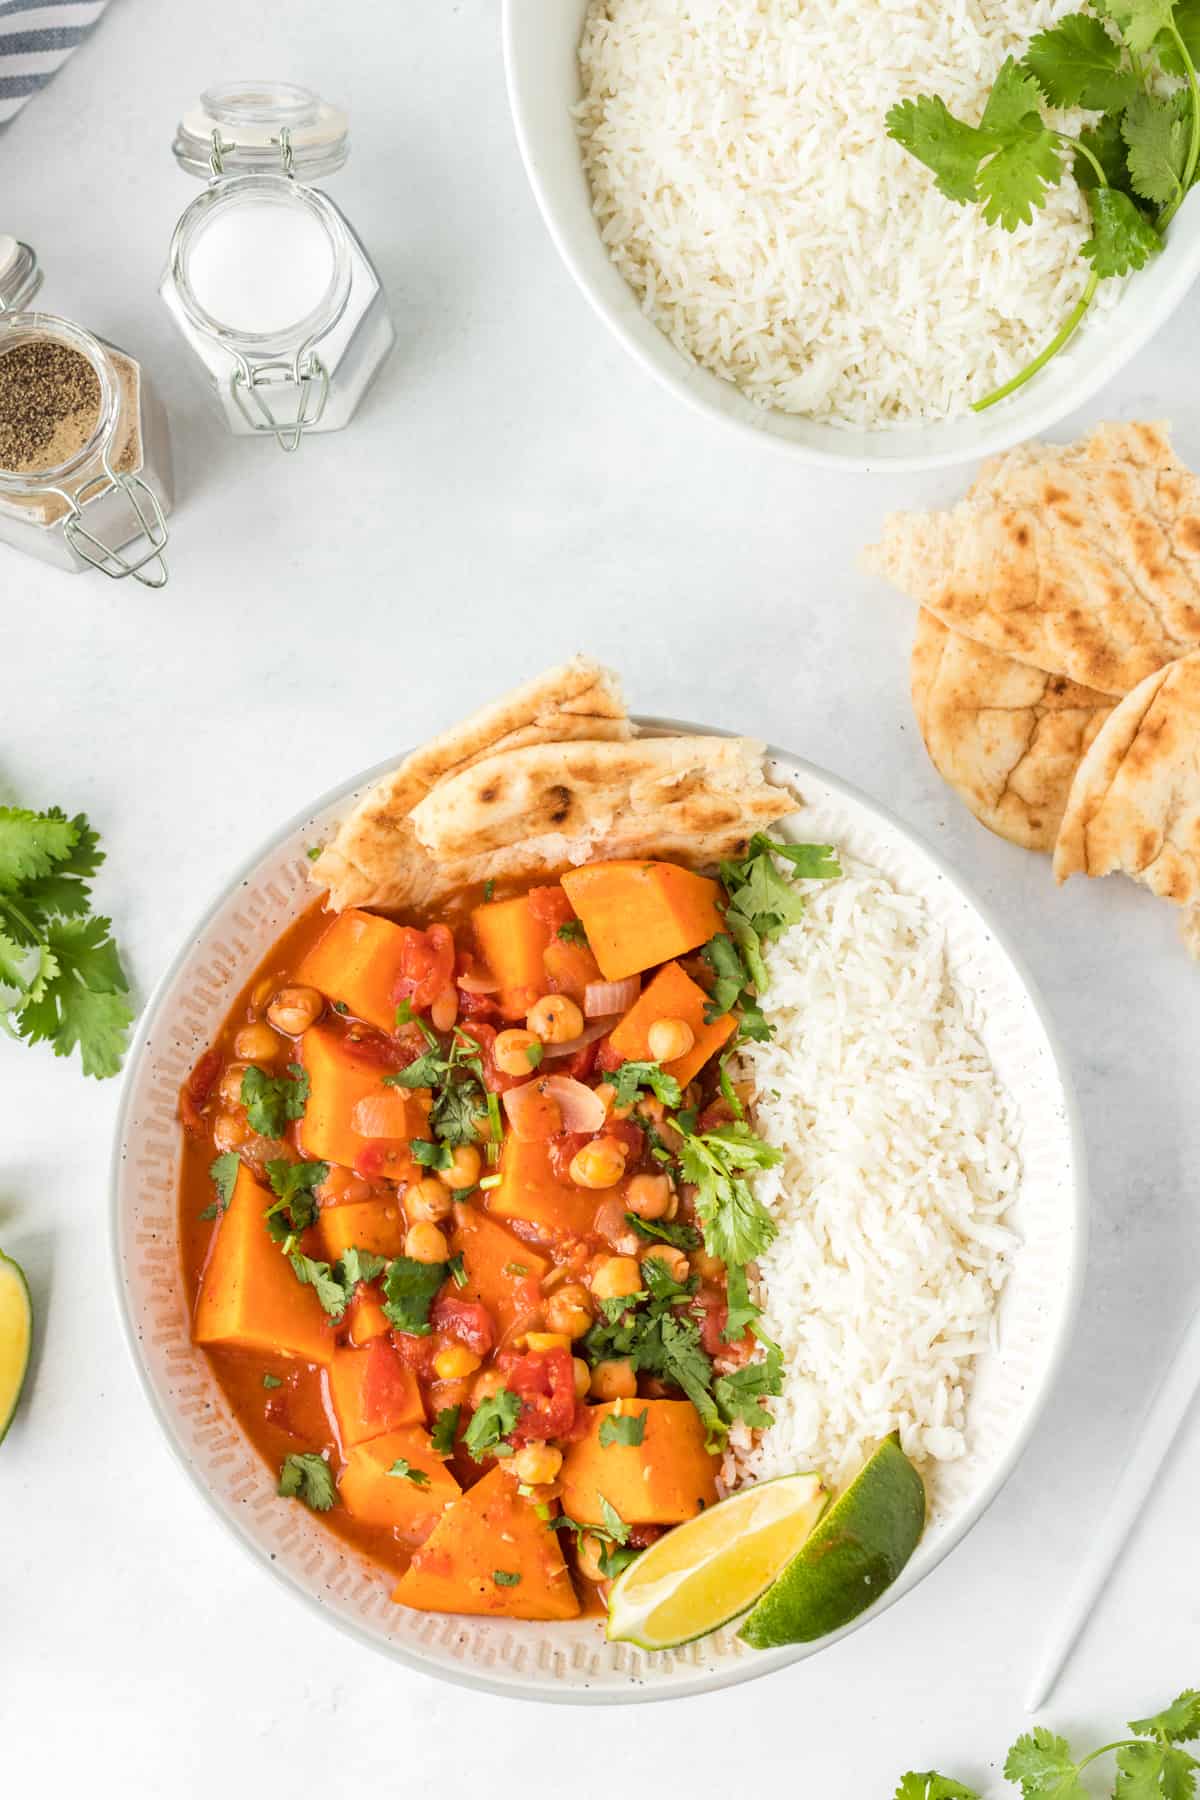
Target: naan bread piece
<point x="375" y="859"/>
<point x="1006" y="737"/>
<point x="1084" y="561"/>
<point x="695" y="798"/>
<point x="1135" y="803"/>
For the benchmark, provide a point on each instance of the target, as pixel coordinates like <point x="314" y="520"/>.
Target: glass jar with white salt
<point x="266" y="280"/>
<point x="85" y="460"/>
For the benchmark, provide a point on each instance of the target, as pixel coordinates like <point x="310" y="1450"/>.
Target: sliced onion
<point x="574" y="1045"/>
<point x="477" y="984"/>
<point x="550" y="1104"/>
<point x="381" y="1116"/>
<point x="581" y="1106"/>
<point x="602" y="997"/>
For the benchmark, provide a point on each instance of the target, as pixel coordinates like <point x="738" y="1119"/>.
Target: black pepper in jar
<point x="49" y="405"/>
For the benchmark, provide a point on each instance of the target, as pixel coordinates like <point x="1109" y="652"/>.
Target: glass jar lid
<point x="20" y="274"/>
<point x="254" y="127"/>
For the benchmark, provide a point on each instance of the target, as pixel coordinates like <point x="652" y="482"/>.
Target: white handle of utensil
<point x="1168" y="1410"/>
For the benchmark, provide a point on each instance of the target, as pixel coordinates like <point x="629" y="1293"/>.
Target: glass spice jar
<point x="266" y="281"/>
<point x="85" y="463"/>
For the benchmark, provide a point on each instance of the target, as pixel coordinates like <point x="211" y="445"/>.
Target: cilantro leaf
<point x="1042" y="1764"/>
<point x="410" y="1287"/>
<point x="506" y="1577"/>
<point x="573" y="932"/>
<point x="1155" y="1771"/>
<point x="323" y="1281"/>
<point x="1027" y="161"/>
<point x="737" y="1226"/>
<point x="295" y="1207"/>
<point x="1106" y="142"/>
<point x="1178" y="1723"/>
<point x="1138" y="21"/>
<point x="743" y="1392"/>
<point x="614" y="1524"/>
<point x="82" y="1004"/>
<point x="445" y="1431"/>
<point x="623" y="1428"/>
<point x="308" y="1477"/>
<point x="271" y="1381"/>
<point x="223" y="1171"/>
<point x="272" y="1101"/>
<point x="1076" y="63"/>
<point x="1122" y="237"/>
<point x="491" y="1423"/>
<point x="355" y="1265"/>
<point x="952" y="149"/>
<point x="659" y="1283"/>
<point x="405" y="1471"/>
<point x="431" y="1155"/>
<point x="932" y="1786"/>
<point x="666" y="1231"/>
<point x="724" y="959"/>
<point x="1187" y="24"/>
<point x="32" y="843"/>
<point x="741" y="1310"/>
<point x="1156" y="132"/>
<point x="425" y="1072"/>
<point x="634" y="1075"/>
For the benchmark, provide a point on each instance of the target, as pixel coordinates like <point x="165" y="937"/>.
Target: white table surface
<point x="513" y="490"/>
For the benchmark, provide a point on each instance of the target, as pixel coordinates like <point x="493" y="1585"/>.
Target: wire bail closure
<point x="304" y="372"/>
<point x="145" y="507"/>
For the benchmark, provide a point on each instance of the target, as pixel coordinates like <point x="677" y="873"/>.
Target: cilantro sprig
<point x="1151" y="1765"/>
<point x="455" y="1076"/>
<point x="61" y="979"/>
<point x="737" y="1226"/>
<point x="1115" y="58"/>
<point x="761" y="903"/>
<point x="273" y="1102"/>
<point x="491" y="1423"/>
<point x="308" y="1477"/>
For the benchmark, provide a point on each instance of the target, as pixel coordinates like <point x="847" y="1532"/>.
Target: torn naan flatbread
<point x="1006" y="737"/>
<point x="1082" y="561"/>
<point x="695" y="798"/>
<point x="375" y="859"/>
<point x="1135" y="803"/>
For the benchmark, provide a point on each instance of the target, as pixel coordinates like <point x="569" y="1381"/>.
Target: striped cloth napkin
<point x="36" y="38"/>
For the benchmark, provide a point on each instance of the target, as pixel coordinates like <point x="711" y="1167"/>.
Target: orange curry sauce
<point x="530" y="1235"/>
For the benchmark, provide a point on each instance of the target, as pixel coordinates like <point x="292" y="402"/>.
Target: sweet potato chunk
<point x="491" y="1531"/>
<point x="511" y="940"/>
<point x="366" y="1409"/>
<point x="569" y="968"/>
<point x="530" y="1190"/>
<point x="637" y="914"/>
<point x="370" y="1493"/>
<point x="672" y="995"/>
<point x="375" y="1225"/>
<point x="348" y="1104"/>
<point x="669" y="1476"/>
<point x="500" y="1270"/>
<point x="365" y="1317"/>
<point x="357" y="962"/>
<point x="250" y="1298"/>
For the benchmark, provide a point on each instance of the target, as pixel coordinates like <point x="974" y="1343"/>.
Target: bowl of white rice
<point x="717" y="177"/>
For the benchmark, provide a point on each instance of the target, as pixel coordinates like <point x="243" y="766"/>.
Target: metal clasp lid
<point x="251" y="385"/>
<point x="152" y="528"/>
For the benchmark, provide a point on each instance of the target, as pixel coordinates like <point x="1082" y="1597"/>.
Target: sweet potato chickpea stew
<point x="443" y="1258"/>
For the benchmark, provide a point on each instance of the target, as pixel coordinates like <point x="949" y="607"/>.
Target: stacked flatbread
<point x="1056" y="667"/>
<point x="552" y="775"/>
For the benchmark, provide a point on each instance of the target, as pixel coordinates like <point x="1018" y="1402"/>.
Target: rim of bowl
<point x="767" y="1662"/>
<point x="669" y="369"/>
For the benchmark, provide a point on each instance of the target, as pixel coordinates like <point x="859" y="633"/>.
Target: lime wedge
<point x="16" y="1335"/>
<point x="710" y="1569"/>
<point x="857" y="1550"/>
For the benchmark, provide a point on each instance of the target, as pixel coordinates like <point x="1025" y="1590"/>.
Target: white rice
<point x="747" y="191"/>
<point x="899" y="1164"/>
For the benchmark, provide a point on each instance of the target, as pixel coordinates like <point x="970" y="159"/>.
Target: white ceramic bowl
<point x="572" y="1661"/>
<point x="540" y="42"/>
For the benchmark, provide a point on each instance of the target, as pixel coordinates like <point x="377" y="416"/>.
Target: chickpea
<point x="426" y="1244"/>
<point x="614" y="1381"/>
<point x="511" y="1051"/>
<point x="583" y="1376"/>
<point x="649" y="1196"/>
<point x="429" y="1201"/>
<point x="600" y="1164"/>
<point x="464" y="1169"/>
<point x="257" y="1044"/>
<point x="534" y="1464"/>
<point x="555" y="1018"/>
<point x="709" y="1268"/>
<point x="570" y="1309"/>
<point x="230" y="1088"/>
<point x="668" y="1039"/>
<point x="674" y="1261"/>
<point x="455" y="1361"/>
<point x="547" y="1340"/>
<point x="486" y="1386"/>
<point x="616" y="1277"/>
<point x="294" y="1009"/>
<point x="230" y="1131"/>
<point x="587" y="1559"/>
<point x="444" y="1010"/>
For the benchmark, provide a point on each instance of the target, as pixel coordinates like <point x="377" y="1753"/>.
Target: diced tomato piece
<point x="376" y="1051"/>
<point x="607" y="1058"/>
<point x="197" y="1091"/>
<point x="466" y="1320"/>
<point x="477" y="1006"/>
<point x="582" y="1065"/>
<point x="563" y="1147"/>
<point x="642" y="1536"/>
<point x="385" y="1393"/>
<point x="631" y="1137"/>
<point x="494" y="1079"/>
<point x="718" y="1112"/>
<point x="550" y="906"/>
<point x="545" y="1382"/>
<point x="426" y="965"/>
<point x="711" y="1311"/>
<point x="384" y="1159"/>
<point x="415" y="1353"/>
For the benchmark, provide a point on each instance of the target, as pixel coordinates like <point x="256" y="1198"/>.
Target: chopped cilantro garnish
<point x="505" y="1577"/>
<point x="431" y="1155"/>
<point x="737" y="1226"/>
<point x="404" y="1013"/>
<point x="742" y="1311"/>
<point x="456" y="1080"/>
<point x="458" y="1271"/>
<point x="634" y="1075"/>
<point x="273" y="1101"/>
<point x="294" y="1208"/>
<point x="489" y="888"/>
<point x="410" y="1287"/>
<point x="405" y="1471"/>
<point x="357" y="1265"/>
<point x="623" y="1428"/>
<point x="743" y="1392"/>
<point x="272" y="1381"/>
<point x="339" y="1006"/>
<point x="666" y="1231"/>
<point x="491" y="1423"/>
<point x="313" y="851"/>
<point x="572" y="932"/>
<point x="515" y="1268"/>
<point x="307" y="1477"/>
<point x="223" y="1171"/>
<point x="323" y="1281"/>
<point x="445" y="1431"/>
<point x="534" y="1053"/>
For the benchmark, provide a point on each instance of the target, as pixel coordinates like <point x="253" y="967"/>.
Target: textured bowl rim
<point x="767" y="1662"/>
<point x="670" y="368"/>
